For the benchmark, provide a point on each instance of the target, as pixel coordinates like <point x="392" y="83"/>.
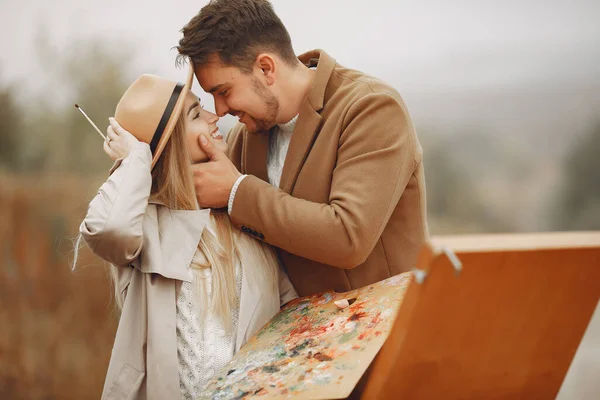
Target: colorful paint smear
<point x="312" y="349"/>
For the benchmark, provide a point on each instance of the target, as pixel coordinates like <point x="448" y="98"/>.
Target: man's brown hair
<point x="237" y="31"/>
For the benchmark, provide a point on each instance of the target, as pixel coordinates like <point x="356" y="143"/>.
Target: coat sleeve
<point x="376" y="158"/>
<point x="112" y="227"/>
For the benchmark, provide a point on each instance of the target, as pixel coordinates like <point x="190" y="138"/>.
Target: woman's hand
<point x="119" y="142"/>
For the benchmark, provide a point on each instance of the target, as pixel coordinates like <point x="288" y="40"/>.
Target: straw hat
<point x="150" y="108"/>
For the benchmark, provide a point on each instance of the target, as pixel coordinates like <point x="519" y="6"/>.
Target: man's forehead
<point x="214" y="74"/>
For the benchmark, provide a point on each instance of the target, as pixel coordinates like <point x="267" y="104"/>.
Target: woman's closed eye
<point x="201" y="107"/>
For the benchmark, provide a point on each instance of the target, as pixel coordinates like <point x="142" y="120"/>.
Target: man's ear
<point x="268" y="67"/>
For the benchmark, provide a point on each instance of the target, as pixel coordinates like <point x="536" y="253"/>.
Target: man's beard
<point x="271" y="108"/>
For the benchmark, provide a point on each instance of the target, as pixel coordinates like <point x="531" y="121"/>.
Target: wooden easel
<point x="501" y="322"/>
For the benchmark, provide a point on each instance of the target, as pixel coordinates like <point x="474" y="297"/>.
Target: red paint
<point x="356" y="307"/>
<point x="376" y="319"/>
<point x="304" y="326"/>
<point x="356" y="316"/>
<point x="322" y="357"/>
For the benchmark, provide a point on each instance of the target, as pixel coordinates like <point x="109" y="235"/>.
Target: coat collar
<point x="178" y="234"/>
<point x="325" y="65"/>
<point x="254" y="153"/>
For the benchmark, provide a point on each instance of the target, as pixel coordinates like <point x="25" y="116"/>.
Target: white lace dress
<point x="203" y="346"/>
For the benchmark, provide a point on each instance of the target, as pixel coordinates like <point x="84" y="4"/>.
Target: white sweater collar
<point x="289" y="126"/>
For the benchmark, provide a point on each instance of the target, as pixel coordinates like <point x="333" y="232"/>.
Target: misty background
<point x="505" y="97"/>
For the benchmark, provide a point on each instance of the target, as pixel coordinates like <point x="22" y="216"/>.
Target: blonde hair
<point x="221" y="246"/>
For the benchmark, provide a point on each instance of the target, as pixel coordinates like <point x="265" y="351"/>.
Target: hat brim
<point x="174" y="115"/>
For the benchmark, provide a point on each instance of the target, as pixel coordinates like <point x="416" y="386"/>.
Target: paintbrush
<point x="90" y="121"/>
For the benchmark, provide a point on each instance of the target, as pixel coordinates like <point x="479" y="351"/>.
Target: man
<point x="325" y="164"/>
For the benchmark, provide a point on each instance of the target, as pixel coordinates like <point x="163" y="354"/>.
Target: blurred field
<point x="56" y="326"/>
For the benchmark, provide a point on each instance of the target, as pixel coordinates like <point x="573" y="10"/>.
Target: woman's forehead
<point x="191" y="97"/>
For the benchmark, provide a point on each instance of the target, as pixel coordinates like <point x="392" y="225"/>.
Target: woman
<point x="192" y="289"/>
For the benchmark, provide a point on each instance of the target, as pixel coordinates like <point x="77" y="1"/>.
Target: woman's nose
<point x="212" y="118"/>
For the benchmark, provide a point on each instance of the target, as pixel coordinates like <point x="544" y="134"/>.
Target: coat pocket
<point x="125" y="385"/>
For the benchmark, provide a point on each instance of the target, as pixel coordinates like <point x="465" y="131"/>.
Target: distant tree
<point x="455" y="202"/>
<point x="91" y="73"/>
<point x="11" y="127"/>
<point x="579" y="202"/>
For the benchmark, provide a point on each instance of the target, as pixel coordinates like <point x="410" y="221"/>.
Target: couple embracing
<point x="319" y="186"/>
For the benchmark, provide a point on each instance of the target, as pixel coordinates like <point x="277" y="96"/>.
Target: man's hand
<point x="213" y="179"/>
<point x="119" y="141"/>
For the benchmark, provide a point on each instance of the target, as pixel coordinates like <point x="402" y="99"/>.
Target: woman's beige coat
<point x="153" y="247"/>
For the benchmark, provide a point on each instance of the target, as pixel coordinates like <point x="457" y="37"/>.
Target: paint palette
<point x="312" y="348"/>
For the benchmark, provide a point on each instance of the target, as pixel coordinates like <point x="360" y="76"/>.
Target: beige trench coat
<point x="153" y="247"/>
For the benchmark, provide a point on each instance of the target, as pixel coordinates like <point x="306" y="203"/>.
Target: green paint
<point x="283" y="318"/>
<point x="270" y="369"/>
<point x="347" y="336"/>
<point x="280" y="354"/>
<point x="302" y="346"/>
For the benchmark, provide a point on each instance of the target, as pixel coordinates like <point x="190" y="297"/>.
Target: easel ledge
<point x="520" y="241"/>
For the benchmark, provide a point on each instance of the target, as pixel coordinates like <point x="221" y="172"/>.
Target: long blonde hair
<point x="222" y="246"/>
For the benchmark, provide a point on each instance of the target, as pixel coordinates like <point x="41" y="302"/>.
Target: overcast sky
<point x="419" y="45"/>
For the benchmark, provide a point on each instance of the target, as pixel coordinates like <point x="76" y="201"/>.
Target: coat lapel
<point x="254" y="155"/>
<point x="178" y="234"/>
<point x="309" y="122"/>
<point x="309" y="118"/>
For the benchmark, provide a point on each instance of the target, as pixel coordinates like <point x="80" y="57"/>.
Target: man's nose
<point x="220" y="107"/>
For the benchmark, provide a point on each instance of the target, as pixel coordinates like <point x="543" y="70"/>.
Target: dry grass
<point x="56" y="326"/>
